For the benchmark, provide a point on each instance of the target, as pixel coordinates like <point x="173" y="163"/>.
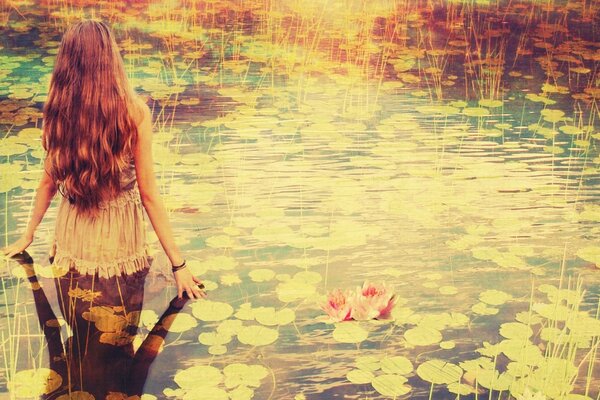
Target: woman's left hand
<point x="14" y="248"/>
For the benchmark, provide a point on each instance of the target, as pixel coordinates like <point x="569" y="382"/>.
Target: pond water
<point x="446" y="148"/>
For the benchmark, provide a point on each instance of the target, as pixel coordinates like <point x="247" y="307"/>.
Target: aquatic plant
<point x="338" y="305"/>
<point x="371" y="301"/>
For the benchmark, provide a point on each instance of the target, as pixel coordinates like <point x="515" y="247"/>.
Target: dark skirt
<point x="103" y="315"/>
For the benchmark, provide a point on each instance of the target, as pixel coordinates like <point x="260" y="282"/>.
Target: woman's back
<point x="111" y="243"/>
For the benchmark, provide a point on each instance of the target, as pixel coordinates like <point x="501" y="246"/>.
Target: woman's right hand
<point x="187" y="282"/>
<point x="18" y="246"/>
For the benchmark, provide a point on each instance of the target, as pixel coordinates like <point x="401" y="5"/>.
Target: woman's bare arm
<point x="151" y="199"/>
<point x="149" y="193"/>
<point x="43" y="198"/>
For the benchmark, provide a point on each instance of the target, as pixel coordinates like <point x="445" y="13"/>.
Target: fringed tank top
<point x="113" y="243"/>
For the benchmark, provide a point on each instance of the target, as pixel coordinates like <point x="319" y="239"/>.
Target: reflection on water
<point x="98" y="357"/>
<point x="447" y="148"/>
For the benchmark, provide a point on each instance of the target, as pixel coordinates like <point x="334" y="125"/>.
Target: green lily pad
<point x="9" y="147"/>
<point x="494" y="297"/>
<point x="515" y="330"/>
<point x="491" y="379"/>
<point x="552" y="334"/>
<point x="591" y="254"/>
<point x="459" y="104"/>
<point x="34" y="382"/>
<point x="213" y="338"/>
<point x="439" y="372"/>
<point x="552" y="115"/>
<point x="460" y="388"/>
<point x="220" y="241"/>
<point x="483" y="309"/>
<point x="396" y="365"/>
<point x="439" y="109"/>
<point x="448" y="290"/>
<point x="179" y="323"/>
<point x="261" y="275"/>
<point x="475" y="111"/>
<point x="239" y="393"/>
<point x="217" y="349"/>
<point x="555" y="312"/>
<point x="257" y="335"/>
<point x="229" y="327"/>
<point x="422" y="336"/>
<point x="570" y="130"/>
<point x="238" y="374"/>
<point x="349" y="332"/>
<point x="359" y="376"/>
<point x="490" y="103"/>
<point x="367" y="363"/>
<point x="208" y="310"/>
<point x="458" y="319"/>
<point x="268" y="316"/>
<point x="521" y="351"/>
<point x="448" y="345"/>
<point x="518" y="369"/>
<point x="189" y="377"/>
<point x="391" y="385"/>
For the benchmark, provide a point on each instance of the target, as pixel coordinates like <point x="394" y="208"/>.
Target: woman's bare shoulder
<point x="140" y="110"/>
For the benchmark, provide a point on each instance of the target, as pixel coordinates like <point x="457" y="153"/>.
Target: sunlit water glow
<point x="449" y="149"/>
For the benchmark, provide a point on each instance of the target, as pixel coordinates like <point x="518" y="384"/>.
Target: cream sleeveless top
<point x="113" y="243"/>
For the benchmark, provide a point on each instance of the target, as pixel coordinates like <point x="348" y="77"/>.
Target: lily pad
<point x="257" y="335"/>
<point x="391" y="385"/>
<point x="439" y="372"/>
<point x="34" y="382"/>
<point x="261" y="275"/>
<point x="396" y="365"/>
<point x="494" y="297"/>
<point x="359" y="376"/>
<point x="214" y="338"/>
<point x="483" y="309"/>
<point x="591" y="254"/>
<point x="367" y="363"/>
<point x="422" y="336"/>
<point x="475" y="111"/>
<point x="349" y="332"/>
<point x="190" y="377"/>
<point x="515" y="330"/>
<point x="208" y="310"/>
<point x="238" y="374"/>
<point x="552" y="115"/>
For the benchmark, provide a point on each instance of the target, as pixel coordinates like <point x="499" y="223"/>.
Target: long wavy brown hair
<point x="89" y="131"/>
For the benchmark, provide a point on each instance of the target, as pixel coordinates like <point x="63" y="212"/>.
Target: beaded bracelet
<point x="178" y="267"/>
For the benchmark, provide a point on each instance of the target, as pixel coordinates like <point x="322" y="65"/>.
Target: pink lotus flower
<point x="372" y="301"/>
<point x="337" y="306"/>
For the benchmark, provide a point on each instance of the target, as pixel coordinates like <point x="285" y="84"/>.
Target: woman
<point x="97" y="134"/>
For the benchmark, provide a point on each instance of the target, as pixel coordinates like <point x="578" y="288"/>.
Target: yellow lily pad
<point x="257" y="335"/>
<point x="34" y="382"/>
<point x="494" y="297"/>
<point x="396" y="365"/>
<point x="391" y="385"/>
<point x="349" y="332"/>
<point x="261" y="275"/>
<point x="422" y="336"/>
<point x="206" y="375"/>
<point x="515" y="330"/>
<point x="360" y="376"/>
<point x="439" y="372"/>
<point x="367" y="363"/>
<point x="208" y="310"/>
